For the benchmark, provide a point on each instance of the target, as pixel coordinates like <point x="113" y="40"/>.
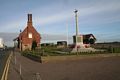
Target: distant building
<point x="89" y="39"/>
<point x="106" y="45"/>
<point x="86" y="40"/>
<point x="61" y="44"/>
<point x="47" y="44"/>
<point x="26" y="38"/>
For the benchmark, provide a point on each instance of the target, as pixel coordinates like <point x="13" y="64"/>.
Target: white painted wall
<point x="1" y="43"/>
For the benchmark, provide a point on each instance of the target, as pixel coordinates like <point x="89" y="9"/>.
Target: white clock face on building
<point x="30" y="35"/>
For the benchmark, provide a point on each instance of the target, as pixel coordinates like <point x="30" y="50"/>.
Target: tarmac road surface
<point x="99" y="68"/>
<point x="3" y="57"/>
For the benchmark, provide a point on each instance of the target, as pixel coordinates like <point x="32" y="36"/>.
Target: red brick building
<point x="29" y="34"/>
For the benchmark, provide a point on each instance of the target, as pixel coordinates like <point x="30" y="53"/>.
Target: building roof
<point x="88" y="36"/>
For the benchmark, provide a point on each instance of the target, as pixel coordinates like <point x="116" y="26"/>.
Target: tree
<point x="34" y="45"/>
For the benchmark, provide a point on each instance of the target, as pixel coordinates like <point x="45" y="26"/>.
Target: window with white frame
<point x="30" y="35"/>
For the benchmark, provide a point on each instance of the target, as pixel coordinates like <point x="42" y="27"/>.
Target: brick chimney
<point x="29" y="23"/>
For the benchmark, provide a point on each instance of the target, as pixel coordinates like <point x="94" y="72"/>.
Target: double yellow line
<point x="6" y="68"/>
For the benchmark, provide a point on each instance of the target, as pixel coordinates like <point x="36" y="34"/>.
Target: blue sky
<point x="100" y="17"/>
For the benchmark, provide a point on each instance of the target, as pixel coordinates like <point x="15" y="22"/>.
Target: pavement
<point x="98" y="68"/>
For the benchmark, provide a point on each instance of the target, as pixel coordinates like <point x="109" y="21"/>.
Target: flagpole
<point x="67" y="33"/>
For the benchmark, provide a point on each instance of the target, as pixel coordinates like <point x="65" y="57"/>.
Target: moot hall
<point x="26" y="38"/>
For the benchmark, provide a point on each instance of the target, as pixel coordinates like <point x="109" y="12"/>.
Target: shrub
<point x="32" y="55"/>
<point x="34" y="45"/>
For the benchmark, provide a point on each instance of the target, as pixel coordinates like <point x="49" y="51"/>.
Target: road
<point x="3" y="58"/>
<point x="99" y="68"/>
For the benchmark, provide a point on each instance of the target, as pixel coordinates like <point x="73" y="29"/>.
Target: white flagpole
<point x="67" y="33"/>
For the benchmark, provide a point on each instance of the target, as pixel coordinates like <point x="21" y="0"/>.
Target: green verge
<point x="53" y="51"/>
<point x="32" y="55"/>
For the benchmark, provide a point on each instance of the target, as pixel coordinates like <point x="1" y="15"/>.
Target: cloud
<point x="97" y="12"/>
<point x="103" y="11"/>
<point x="106" y="37"/>
<point x="51" y="19"/>
<point x="100" y="7"/>
<point x="8" y="38"/>
<point x="55" y="37"/>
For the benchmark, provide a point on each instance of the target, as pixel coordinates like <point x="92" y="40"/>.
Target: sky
<point x="56" y="18"/>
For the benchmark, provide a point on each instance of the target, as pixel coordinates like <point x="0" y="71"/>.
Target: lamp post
<point x="20" y="41"/>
